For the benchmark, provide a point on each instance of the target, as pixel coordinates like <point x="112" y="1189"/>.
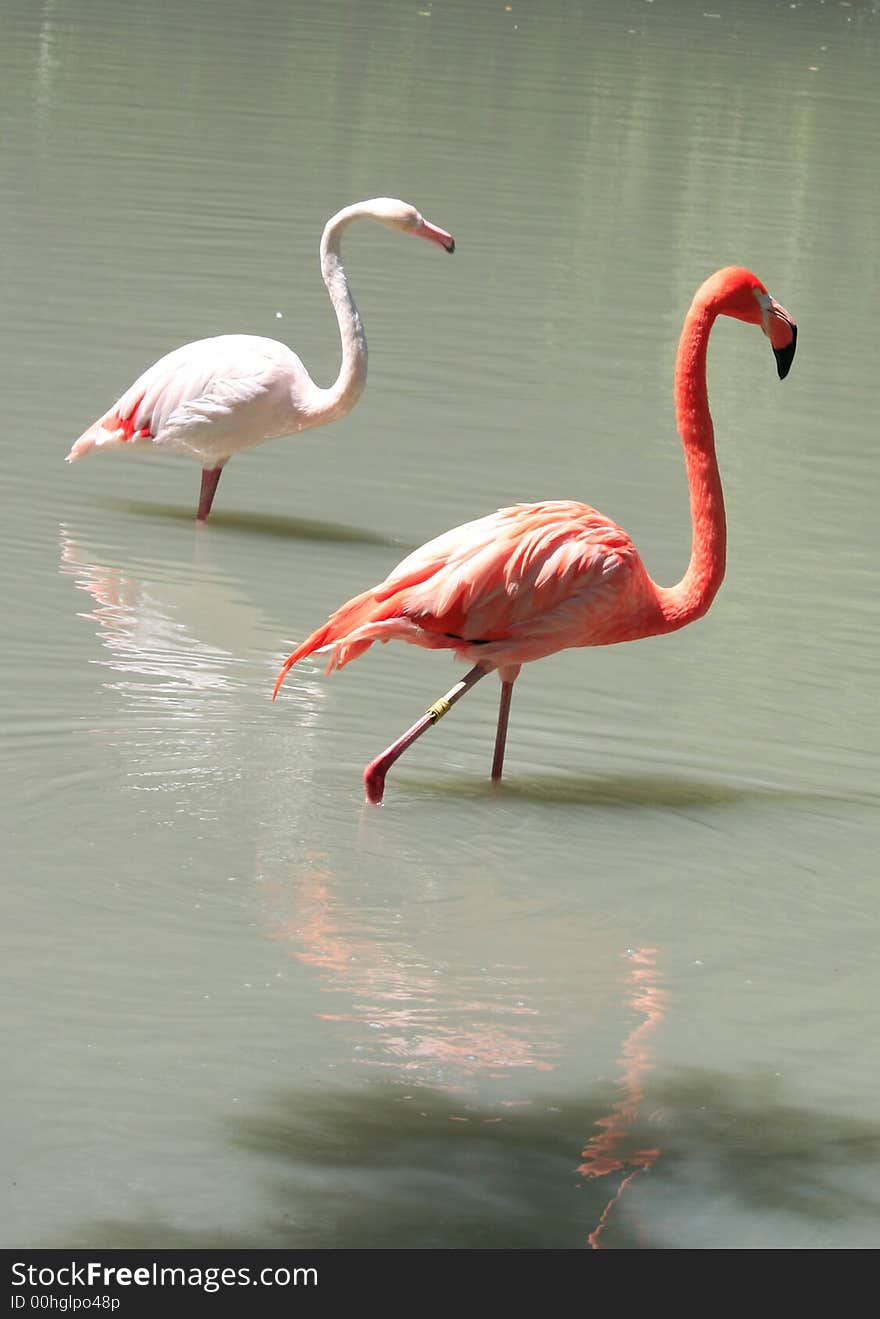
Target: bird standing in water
<point x="530" y="580"/>
<point x="214" y="397"/>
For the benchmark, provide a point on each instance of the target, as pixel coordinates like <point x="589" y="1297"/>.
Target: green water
<point x="629" y="999"/>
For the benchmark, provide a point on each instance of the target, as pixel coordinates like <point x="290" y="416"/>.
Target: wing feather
<point x="512" y="568"/>
<point x="208" y="398"/>
<point x="512" y="587"/>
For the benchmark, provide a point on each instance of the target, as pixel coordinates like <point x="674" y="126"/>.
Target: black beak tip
<point x="451" y="248"/>
<point x="785" y="356"/>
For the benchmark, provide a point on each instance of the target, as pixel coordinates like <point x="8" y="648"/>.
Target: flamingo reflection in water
<point x="438" y="1028"/>
<point x="445" y="1032"/>
<point x="611" y="1150"/>
<point x="142" y="626"/>
<point x="174" y="715"/>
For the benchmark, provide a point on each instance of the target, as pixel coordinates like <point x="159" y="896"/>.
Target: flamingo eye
<point x="765" y="302"/>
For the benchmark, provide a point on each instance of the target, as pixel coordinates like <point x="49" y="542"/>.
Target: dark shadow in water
<point x="262" y="524"/>
<point x="389" y="1166"/>
<point x="624" y="790"/>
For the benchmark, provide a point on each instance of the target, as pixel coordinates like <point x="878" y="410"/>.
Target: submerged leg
<point x="210" y="477"/>
<point x="374" y="774"/>
<point x="501" y="733"/>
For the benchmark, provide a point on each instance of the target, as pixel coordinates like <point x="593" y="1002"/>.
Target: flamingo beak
<point x="436" y="235"/>
<point x="781" y="330"/>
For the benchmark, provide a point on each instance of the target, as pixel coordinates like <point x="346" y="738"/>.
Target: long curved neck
<point x="695" y="592"/>
<point x="348" y="386"/>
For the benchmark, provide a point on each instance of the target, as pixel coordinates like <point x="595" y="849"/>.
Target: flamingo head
<point x="400" y="215"/>
<point x="737" y="292"/>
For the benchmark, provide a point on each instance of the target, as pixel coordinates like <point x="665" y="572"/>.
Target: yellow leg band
<point x="438" y="710"/>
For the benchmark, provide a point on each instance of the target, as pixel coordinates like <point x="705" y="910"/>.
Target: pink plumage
<point x="530" y="580"/>
<point x="505" y="589"/>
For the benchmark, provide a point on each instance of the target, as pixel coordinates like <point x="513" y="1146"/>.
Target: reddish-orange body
<point x="530" y="580"/>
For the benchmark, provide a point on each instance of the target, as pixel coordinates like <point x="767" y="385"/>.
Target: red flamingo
<point x="211" y="398"/>
<point x="536" y="578"/>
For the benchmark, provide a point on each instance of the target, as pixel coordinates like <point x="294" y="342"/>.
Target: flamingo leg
<point x="374" y="774"/>
<point x="210" y="477"/>
<point x="501" y="732"/>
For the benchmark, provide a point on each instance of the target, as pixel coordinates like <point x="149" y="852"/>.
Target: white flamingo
<point x="211" y="398"/>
